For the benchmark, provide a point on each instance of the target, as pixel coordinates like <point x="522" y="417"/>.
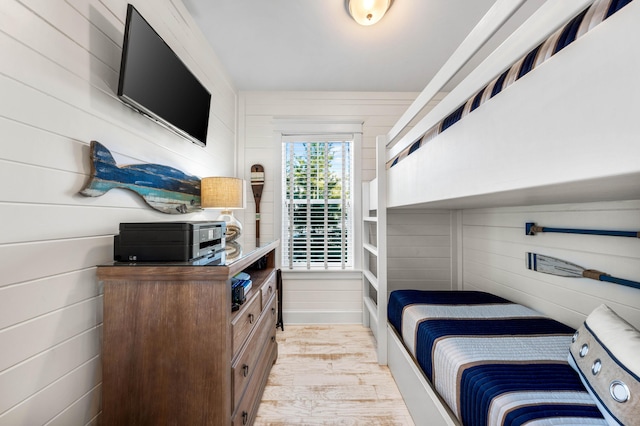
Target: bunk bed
<point x="535" y="93"/>
<point x="453" y="157"/>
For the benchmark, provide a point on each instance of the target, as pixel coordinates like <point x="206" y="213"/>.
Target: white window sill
<point x="316" y="274"/>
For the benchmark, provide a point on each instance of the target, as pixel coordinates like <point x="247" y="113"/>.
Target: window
<point x="317" y="215"/>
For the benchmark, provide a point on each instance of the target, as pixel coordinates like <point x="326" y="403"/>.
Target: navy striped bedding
<point x="571" y="31"/>
<point x="492" y="361"/>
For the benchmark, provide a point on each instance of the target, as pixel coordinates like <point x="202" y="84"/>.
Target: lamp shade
<point x="222" y="193"/>
<point x="368" y="12"/>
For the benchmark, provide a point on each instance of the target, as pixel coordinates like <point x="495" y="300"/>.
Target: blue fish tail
<point x="102" y="165"/>
<point x="100" y="153"/>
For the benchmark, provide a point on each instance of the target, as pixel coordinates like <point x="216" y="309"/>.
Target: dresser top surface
<point x="218" y="267"/>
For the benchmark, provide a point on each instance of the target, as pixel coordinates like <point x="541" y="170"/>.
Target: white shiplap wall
<point x="420" y="249"/>
<point x="484" y="249"/>
<point x="319" y="298"/>
<point x="58" y="80"/>
<point x="494" y="247"/>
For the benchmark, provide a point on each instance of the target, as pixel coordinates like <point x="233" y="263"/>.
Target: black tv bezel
<point x="142" y="109"/>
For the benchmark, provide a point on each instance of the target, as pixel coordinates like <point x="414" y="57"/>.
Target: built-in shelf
<point x="370" y="248"/>
<point x="371" y="305"/>
<point x="372" y="311"/>
<point x="371" y="279"/>
<point x="374" y="267"/>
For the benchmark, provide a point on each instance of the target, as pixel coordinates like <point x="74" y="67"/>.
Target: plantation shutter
<point x="317" y="202"/>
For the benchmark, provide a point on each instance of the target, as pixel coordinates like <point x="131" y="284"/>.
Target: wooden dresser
<point x="173" y="351"/>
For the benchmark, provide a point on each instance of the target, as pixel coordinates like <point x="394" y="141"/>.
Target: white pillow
<point x="606" y="354"/>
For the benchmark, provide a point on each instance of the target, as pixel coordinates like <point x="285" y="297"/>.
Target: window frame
<point x="318" y="255"/>
<point x="312" y="130"/>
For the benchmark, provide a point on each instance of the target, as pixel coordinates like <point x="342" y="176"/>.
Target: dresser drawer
<point x="245" y="321"/>
<point x="268" y="289"/>
<point x="245" y="366"/>
<point x="247" y="409"/>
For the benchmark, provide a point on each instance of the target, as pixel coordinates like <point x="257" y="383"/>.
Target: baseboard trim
<point x="322" y="317"/>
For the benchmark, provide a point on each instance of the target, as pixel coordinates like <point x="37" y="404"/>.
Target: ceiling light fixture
<point x="367" y="12"/>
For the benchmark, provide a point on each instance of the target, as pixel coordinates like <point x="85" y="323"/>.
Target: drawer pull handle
<point x="245" y="370"/>
<point x="273" y="338"/>
<point x="245" y="417"/>
<point x="270" y="289"/>
<point x="251" y="318"/>
<point x="273" y="311"/>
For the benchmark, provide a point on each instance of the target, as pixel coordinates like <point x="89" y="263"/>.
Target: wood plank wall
<point x="58" y="80"/>
<point x="484" y="249"/>
<point x="421" y="249"/>
<point x="310" y="298"/>
<point x="494" y="247"/>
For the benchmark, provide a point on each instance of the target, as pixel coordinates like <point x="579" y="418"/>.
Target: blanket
<point x="492" y="361"/>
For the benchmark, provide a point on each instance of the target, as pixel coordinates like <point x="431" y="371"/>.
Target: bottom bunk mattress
<point x="494" y="362"/>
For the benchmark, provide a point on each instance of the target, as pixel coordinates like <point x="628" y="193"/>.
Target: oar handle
<point x="601" y="276"/>
<point x="532" y="229"/>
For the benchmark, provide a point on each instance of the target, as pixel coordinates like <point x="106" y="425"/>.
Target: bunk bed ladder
<point x="374" y="253"/>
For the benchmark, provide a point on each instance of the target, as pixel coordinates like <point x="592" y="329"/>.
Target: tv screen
<point x="155" y="81"/>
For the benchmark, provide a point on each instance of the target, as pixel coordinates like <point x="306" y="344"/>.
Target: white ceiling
<point x="315" y="45"/>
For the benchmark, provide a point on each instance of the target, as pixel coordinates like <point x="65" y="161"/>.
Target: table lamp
<point x="226" y="193"/>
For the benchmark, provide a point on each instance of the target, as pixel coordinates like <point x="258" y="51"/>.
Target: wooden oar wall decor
<point x="532" y="229"/>
<point x="553" y="266"/>
<point x="257" y="183"/>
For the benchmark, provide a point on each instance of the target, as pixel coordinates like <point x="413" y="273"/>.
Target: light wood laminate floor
<point x="329" y="375"/>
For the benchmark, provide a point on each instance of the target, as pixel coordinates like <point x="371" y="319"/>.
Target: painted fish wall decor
<point x="164" y="188"/>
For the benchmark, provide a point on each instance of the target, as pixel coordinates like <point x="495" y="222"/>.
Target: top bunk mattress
<point x="494" y="362"/>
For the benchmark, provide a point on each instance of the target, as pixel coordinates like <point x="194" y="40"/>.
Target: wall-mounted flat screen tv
<point x="156" y="82"/>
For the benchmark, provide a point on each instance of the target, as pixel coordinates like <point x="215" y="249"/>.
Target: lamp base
<point x="232" y="250"/>
<point x="234" y="227"/>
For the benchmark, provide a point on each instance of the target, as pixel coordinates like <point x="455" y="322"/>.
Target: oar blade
<point x="257" y="183"/>
<point x="553" y="266"/>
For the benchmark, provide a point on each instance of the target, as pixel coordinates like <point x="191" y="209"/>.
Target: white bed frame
<point x="598" y="177"/>
<point x="568" y="101"/>
<point x="424" y="404"/>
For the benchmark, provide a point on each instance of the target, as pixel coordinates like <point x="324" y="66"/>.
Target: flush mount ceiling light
<point x="367" y="12"/>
